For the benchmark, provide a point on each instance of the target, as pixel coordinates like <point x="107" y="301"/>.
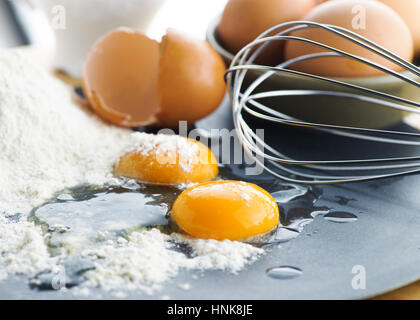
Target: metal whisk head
<point x="248" y="96"/>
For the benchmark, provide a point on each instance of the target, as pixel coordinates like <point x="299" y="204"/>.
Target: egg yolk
<point x="191" y="162"/>
<point x="222" y="210"/>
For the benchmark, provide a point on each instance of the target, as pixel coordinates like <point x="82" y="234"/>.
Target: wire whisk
<point x="246" y="99"/>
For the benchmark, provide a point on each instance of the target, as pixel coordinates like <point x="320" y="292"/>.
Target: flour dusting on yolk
<point x="223" y="210"/>
<point x="167" y="160"/>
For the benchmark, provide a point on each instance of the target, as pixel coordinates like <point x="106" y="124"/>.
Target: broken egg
<point x="132" y="80"/>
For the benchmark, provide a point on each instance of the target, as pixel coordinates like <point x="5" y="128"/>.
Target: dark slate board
<point x="385" y="240"/>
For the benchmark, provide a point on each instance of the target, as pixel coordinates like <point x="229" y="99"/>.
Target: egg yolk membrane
<point x="223" y="210"/>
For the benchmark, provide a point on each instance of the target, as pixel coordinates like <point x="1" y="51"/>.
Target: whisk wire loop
<point x="246" y="99"/>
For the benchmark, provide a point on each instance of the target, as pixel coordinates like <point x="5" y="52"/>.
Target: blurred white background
<point x="191" y="16"/>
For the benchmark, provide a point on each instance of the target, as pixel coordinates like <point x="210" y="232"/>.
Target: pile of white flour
<point x="146" y="259"/>
<point x="49" y="143"/>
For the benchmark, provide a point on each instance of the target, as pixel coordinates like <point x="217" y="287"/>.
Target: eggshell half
<point x="120" y="78"/>
<point x="191" y="79"/>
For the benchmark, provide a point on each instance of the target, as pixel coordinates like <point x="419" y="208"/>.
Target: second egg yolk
<point x="222" y="210"/>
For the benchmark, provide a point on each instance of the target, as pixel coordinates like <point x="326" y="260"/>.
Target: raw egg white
<point x="188" y="162"/>
<point x="243" y="20"/>
<point x="131" y="80"/>
<point x="222" y="210"/>
<point x="382" y="25"/>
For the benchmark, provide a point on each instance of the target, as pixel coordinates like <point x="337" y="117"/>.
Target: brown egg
<point x="371" y="19"/>
<point x="131" y="80"/>
<point x="409" y="10"/>
<point x="243" y="20"/>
